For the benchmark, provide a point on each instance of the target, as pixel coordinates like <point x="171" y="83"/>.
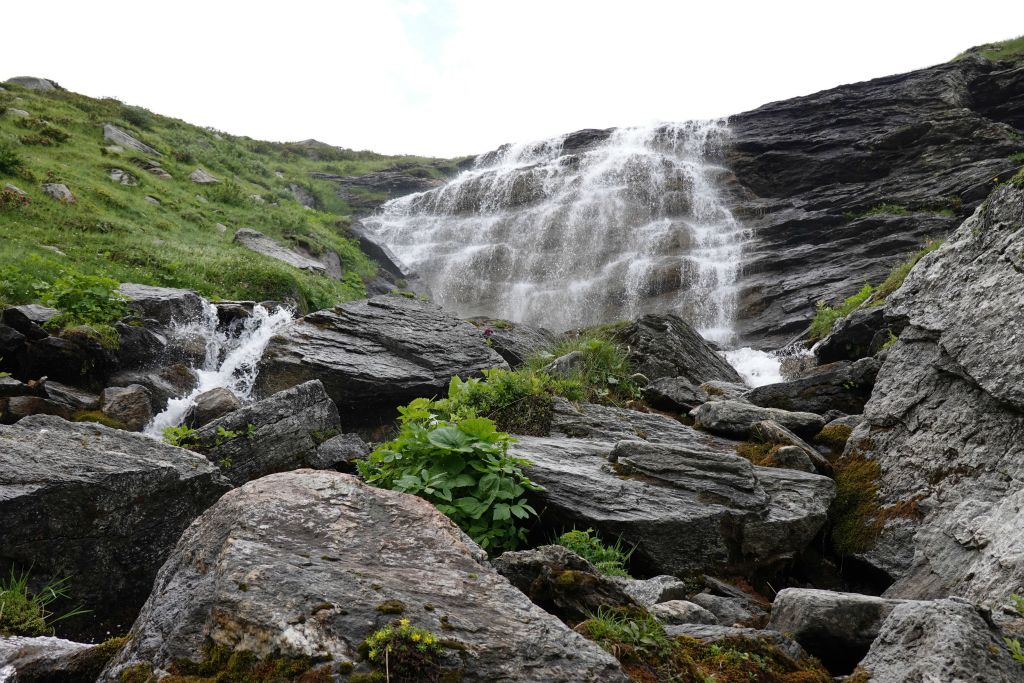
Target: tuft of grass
<point x="826" y="316"/>
<point x="603" y="374"/>
<point x="895" y="279"/>
<point x="1017" y="157"/>
<point x="1018" y="179"/>
<point x="98" y="417"/>
<point x="1012" y="49"/>
<point x="834" y="436"/>
<point x="610" y="560"/>
<point x="855" y="515"/>
<point x="758" y="453"/>
<point x="24" y="612"/>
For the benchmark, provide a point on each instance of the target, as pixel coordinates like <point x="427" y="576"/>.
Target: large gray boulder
<point x="838" y="628"/>
<point x="131" y="406"/>
<point x="101" y="506"/>
<point x="665" y="345"/>
<point x="737" y="419"/>
<point x="59" y="192"/>
<point x="689" y="506"/>
<point x="675" y="394"/>
<point x="946" y="420"/>
<point x="842" y="386"/>
<point x="210" y="405"/>
<point x="310" y="563"/>
<point x="164" y="304"/>
<point x="115" y="135"/>
<point x="376" y="354"/>
<point x="267" y="246"/>
<point x="942" y="640"/>
<point x="33" y="83"/>
<point x="279" y="433"/>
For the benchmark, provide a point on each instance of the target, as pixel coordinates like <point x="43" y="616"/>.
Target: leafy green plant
<point x="406" y="653"/>
<point x="1017" y="157"/>
<point x="180" y="436"/>
<point x="607" y="559"/>
<point x="27" y="613"/>
<point x="519" y="401"/>
<point x="1013" y="644"/>
<point x="462" y="466"/>
<point x="615" y="628"/>
<point x="83" y="300"/>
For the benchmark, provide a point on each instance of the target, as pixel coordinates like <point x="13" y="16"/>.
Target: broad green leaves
<point x="460" y="463"/>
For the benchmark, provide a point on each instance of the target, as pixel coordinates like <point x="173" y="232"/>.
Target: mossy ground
<point x="221" y="664"/>
<point x="114" y="231"/>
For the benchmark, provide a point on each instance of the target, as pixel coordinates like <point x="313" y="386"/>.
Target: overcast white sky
<point x="453" y="77"/>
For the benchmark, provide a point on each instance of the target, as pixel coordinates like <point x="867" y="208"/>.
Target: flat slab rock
<point x="688" y="507"/>
<point x="50" y="660"/>
<point x="100" y="505"/>
<point x="301" y="563"/>
<point x="737" y="418"/>
<point x="261" y="244"/>
<point x="375" y="355"/>
<point x="665" y="345"/>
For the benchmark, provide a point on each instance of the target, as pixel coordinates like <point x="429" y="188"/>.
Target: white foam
<point x="757" y="368"/>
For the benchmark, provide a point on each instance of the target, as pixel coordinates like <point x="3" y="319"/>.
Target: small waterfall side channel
<point x="567" y="235"/>
<point x="231" y="360"/>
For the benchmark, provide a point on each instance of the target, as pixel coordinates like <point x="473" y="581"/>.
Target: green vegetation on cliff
<point x="130" y="223"/>
<point x="1012" y="49"/>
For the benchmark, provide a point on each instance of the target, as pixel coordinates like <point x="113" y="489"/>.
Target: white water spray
<point x="231" y="359"/>
<point x="564" y="238"/>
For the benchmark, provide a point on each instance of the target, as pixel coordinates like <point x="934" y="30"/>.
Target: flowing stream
<point x="232" y="358"/>
<point x="566" y="234"/>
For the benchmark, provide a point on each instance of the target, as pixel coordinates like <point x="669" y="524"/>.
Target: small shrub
<point x="827" y="316"/>
<point x="603" y="374"/>
<point x="27" y="613"/>
<point x="137" y="116"/>
<point x="407" y="653"/>
<point x="10" y="160"/>
<point x="83" y="300"/>
<point x="227" y="192"/>
<point x="45" y="134"/>
<point x="181" y="436"/>
<point x="610" y="560"/>
<point x="1017" y="157"/>
<point x="462" y="466"/>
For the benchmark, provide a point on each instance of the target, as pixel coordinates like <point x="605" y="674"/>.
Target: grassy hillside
<point x="1012" y="50"/>
<point x="113" y="230"/>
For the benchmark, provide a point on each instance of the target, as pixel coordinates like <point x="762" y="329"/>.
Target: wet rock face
<point x="737" y="419"/>
<point x="946" y="419"/>
<point x="807" y="167"/>
<point x="311" y="563"/>
<point x="841" y="386"/>
<point x="375" y="355"/>
<point x="941" y="640"/>
<point x="99" y="505"/>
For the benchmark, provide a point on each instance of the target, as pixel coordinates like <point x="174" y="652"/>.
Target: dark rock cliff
<point x="931" y="142"/>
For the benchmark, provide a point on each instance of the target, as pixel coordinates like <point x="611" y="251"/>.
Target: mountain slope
<point x="164" y="230"/>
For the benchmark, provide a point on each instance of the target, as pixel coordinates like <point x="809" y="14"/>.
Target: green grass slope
<point x="1005" y="50"/>
<point x="113" y="230"/>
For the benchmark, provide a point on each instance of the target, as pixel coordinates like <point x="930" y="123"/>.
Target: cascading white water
<point x="231" y="359"/>
<point x="566" y="238"/>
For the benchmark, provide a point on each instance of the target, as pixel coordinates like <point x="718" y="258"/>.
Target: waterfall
<point x="568" y="233"/>
<point x="232" y="358"/>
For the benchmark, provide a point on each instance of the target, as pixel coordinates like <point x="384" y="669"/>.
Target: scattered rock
<point x="724" y="391"/>
<point x="123" y="177"/>
<point x="153" y="167"/>
<point x="33" y="83"/>
<point x="666" y="346"/>
<point x="18" y="113"/>
<point x="561" y="582"/>
<point x="515" y="342"/>
<point x="837" y="628"/>
<point x="11" y="342"/>
<point x="674" y="394"/>
<point x="279" y="433"/>
<point x="12" y="387"/>
<point x="793" y="458"/>
<point x="768" y="431"/>
<point x="59" y="192"/>
<point x="842" y="386"/>
<point x="339" y="453"/>
<point x="72" y="397"/>
<point x="163" y="384"/>
<point x="152" y="200"/>
<point x="221" y="228"/>
<point x="736" y="419"/>
<point x="75" y="497"/>
<point x="15" y="189"/>
<point x="203" y="177"/>
<point x="303" y="196"/>
<point x="16" y="408"/>
<point x="731" y="610"/>
<point x="130" y="405"/>
<point x="327" y="547"/>
<point x="649" y="592"/>
<point x="261" y="244"/>
<point x="166" y="305"/>
<point x="115" y="135"/>
<point x="943" y="640"/>
<point x="682" y="612"/>
<point x="375" y="355"/>
<point x="210" y="405"/>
